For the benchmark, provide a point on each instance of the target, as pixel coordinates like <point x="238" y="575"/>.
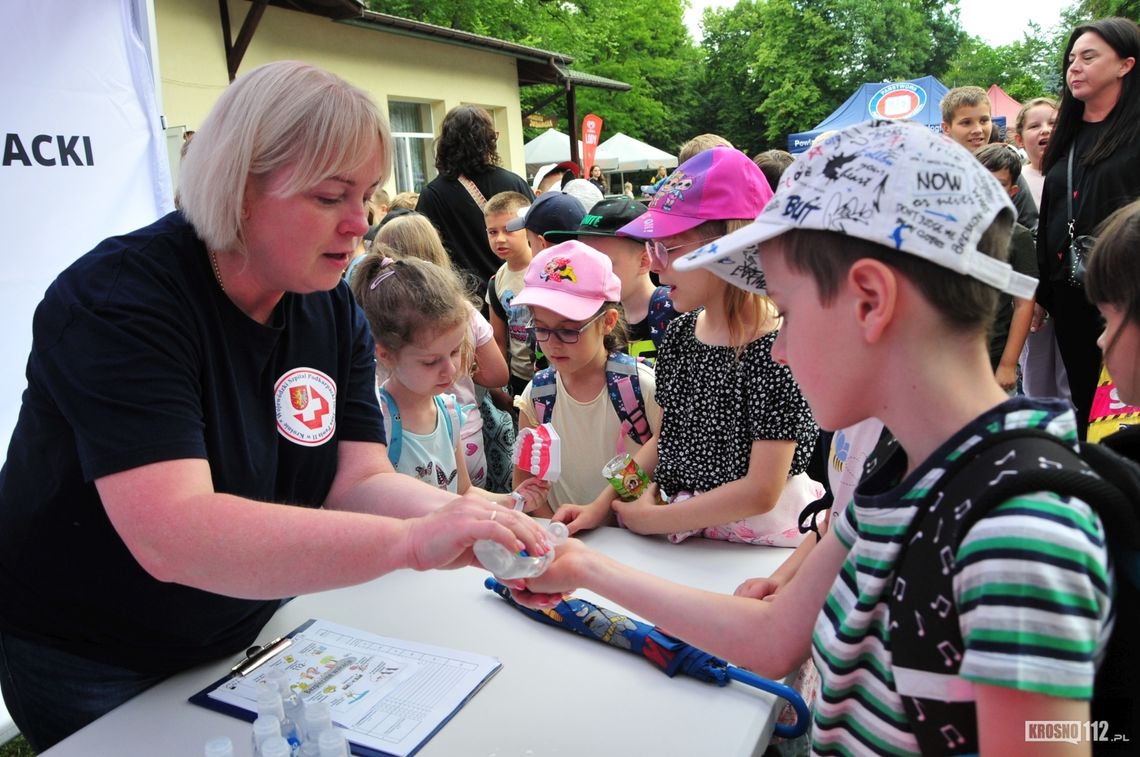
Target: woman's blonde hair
<point x="408" y="301"/>
<point x="282" y="114"/>
<point x="413" y="236"/>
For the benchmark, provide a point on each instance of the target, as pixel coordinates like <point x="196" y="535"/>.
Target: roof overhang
<point x="535" y="66"/>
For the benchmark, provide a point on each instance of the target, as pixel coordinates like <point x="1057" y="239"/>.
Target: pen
<point x="258" y="656"/>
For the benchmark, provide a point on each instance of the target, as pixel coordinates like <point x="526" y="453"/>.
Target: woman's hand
<point x="1040" y="315"/>
<point x="639" y="515"/>
<point x="443" y="538"/>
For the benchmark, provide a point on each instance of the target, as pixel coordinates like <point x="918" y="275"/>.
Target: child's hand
<point x="1006" y="376"/>
<point x="561" y="577"/>
<point x="758" y="588"/>
<point x="534" y="492"/>
<point x="582" y="517"/>
<point x="638" y="515"/>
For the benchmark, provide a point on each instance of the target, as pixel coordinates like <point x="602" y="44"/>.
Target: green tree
<point x="616" y="39"/>
<point x="732" y="38"/>
<point x="812" y="55"/>
<point x="1091" y="9"/>
<point x="1027" y="68"/>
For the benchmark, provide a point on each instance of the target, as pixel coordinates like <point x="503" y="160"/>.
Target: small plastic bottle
<point x="278" y="679"/>
<point x="275" y="746"/>
<point x="269" y="702"/>
<point x="265" y="727"/>
<point x="333" y="744"/>
<point x="318" y="718"/>
<point x="220" y="747"/>
<point x="504" y="564"/>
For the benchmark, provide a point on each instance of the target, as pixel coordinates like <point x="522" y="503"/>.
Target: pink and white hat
<point x="714" y="185"/>
<point x="572" y="279"/>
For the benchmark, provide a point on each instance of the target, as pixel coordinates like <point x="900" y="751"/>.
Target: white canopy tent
<point x="634" y="155"/>
<point x="552" y="146"/>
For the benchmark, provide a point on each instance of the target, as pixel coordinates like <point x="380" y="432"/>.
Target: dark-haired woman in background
<point x="467" y="158"/>
<point x="1099" y="122"/>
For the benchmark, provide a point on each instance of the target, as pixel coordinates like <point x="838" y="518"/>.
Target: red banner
<point x="591" y="136"/>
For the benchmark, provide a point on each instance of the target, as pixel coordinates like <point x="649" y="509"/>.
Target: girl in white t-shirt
<point x="575" y="298"/>
<point x="1032" y="129"/>
<point x="420" y="316"/>
<point x="1042" y="369"/>
<point x="413" y="236"/>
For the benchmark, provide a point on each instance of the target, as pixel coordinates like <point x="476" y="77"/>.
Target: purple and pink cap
<point x="572" y="279"/>
<point x="714" y="185"/>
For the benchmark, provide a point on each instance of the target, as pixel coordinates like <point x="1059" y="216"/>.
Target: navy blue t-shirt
<point x="139" y="357"/>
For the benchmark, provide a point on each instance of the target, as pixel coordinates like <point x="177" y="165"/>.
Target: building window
<point x="412" y="133"/>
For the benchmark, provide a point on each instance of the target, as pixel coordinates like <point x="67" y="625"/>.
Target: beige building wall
<point x="389" y="66"/>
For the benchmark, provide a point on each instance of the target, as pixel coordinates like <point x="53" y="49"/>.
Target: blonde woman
<point x="187" y="377"/>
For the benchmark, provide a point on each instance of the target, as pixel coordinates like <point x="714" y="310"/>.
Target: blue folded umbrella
<point x="670" y="654"/>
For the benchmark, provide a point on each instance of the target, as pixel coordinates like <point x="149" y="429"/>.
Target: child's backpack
<point x="924" y="635"/>
<point x="661" y="312"/>
<point x="394" y="429"/>
<point x="624" y="390"/>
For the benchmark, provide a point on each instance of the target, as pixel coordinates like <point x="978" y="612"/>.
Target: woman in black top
<point x="467" y="158"/>
<point x="1099" y="122"/>
<point x="200" y="434"/>
<point x="599" y="180"/>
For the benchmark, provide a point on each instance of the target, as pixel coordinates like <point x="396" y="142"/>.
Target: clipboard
<point x="371" y="683"/>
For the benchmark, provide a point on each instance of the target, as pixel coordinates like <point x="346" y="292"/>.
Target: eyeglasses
<point x="659" y="253"/>
<point x="566" y="336"/>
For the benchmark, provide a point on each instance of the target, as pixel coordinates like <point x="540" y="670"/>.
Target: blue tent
<point x="915" y="100"/>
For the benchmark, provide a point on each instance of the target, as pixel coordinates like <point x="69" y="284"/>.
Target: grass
<point x="17" y="747"/>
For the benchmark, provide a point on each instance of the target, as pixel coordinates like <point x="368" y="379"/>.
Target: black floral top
<point x="714" y="406"/>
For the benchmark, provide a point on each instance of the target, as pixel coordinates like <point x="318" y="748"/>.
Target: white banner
<point x="84" y="153"/>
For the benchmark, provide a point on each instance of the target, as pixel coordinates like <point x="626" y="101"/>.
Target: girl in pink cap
<point x="736" y="434"/>
<point x="575" y="298"/>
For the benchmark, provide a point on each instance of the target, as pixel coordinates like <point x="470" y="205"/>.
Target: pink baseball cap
<point x="714" y="185"/>
<point x="572" y="279"/>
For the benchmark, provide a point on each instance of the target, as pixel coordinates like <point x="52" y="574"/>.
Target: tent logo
<point x="896" y="102"/>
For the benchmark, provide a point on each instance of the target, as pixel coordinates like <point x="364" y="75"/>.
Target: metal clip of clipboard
<point x="255" y="657"/>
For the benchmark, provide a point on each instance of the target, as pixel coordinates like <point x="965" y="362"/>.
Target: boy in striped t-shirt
<point x="884" y="249"/>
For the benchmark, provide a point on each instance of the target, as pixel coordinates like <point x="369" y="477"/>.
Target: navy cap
<point x="552" y="211"/>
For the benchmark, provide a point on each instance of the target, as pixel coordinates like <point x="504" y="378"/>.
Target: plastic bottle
<point x="269" y="702"/>
<point x="318" y="718"/>
<point x="220" y="747"/>
<point x="333" y="744"/>
<point x="275" y="746"/>
<point x="263" y="728"/>
<point x="278" y="679"/>
<point x="504" y="564"/>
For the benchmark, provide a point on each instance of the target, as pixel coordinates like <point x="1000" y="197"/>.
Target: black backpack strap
<point x="924" y="635"/>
